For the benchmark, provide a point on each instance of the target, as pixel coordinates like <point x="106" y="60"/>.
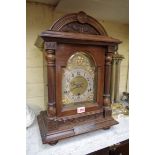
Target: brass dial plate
<point x="78" y="83"/>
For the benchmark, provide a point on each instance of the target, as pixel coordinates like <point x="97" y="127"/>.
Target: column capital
<point x="50" y="45"/>
<point x="112" y="48"/>
<point x="50" y="57"/>
<point x="117" y="56"/>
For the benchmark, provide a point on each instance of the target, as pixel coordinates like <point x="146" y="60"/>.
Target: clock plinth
<point x="53" y="130"/>
<point x="78" y="56"/>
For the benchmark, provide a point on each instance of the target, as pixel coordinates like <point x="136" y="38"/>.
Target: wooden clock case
<point x="71" y="33"/>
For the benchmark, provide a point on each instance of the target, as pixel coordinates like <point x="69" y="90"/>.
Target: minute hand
<point x="79" y="85"/>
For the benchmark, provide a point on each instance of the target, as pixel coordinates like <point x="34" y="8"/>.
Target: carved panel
<point x="81" y="120"/>
<point x="78" y="22"/>
<point x="50" y="45"/>
<point x="78" y="27"/>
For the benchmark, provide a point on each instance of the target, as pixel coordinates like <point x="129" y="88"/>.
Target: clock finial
<point x="82" y="17"/>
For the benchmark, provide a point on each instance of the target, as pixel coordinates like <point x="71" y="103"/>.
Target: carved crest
<point x="78" y="22"/>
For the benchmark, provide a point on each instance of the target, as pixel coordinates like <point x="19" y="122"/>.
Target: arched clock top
<point x="79" y="22"/>
<point x="76" y="28"/>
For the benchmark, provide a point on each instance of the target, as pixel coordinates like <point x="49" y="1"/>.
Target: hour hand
<point x="74" y="88"/>
<point x="78" y="85"/>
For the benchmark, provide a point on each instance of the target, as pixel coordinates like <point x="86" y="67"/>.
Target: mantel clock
<point x="78" y="55"/>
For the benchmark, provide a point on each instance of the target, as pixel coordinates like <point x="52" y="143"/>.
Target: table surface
<point x="78" y="145"/>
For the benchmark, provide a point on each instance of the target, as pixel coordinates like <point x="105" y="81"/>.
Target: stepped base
<point x="53" y="130"/>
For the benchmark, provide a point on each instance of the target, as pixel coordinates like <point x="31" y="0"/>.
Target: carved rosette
<point x="82" y="17"/>
<point x="50" y="57"/>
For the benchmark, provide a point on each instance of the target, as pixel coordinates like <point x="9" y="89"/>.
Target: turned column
<point x="50" y="57"/>
<point x="113" y="75"/>
<point x="107" y="80"/>
<point x="117" y="83"/>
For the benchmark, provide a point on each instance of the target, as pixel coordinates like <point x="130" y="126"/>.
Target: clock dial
<point x="78" y="84"/>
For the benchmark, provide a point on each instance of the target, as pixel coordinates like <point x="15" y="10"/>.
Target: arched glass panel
<point x="79" y="80"/>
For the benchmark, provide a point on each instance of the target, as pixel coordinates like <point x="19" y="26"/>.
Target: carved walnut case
<point x="78" y="54"/>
